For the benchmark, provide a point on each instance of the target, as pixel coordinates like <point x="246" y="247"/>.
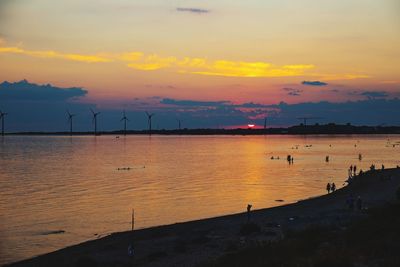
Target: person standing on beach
<point x="333" y="187"/>
<point x="248" y="212"/>
<point x="354" y="170"/>
<point x="328" y="188"/>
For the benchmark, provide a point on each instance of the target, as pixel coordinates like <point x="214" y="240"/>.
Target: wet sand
<point x="191" y="243"/>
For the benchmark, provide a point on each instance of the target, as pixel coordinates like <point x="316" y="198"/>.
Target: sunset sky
<point x="158" y="54"/>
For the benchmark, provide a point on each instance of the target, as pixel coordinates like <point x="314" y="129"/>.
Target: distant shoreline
<point x="327" y="129"/>
<point x="193" y="242"/>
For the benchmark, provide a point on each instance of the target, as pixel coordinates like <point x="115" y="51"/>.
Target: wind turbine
<point x="125" y="119"/>
<point x="95" y="120"/>
<point x="265" y="123"/>
<point x="149" y="117"/>
<point x="70" y="116"/>
<point x="2" y="117"/>
<point x="179" y="123"/>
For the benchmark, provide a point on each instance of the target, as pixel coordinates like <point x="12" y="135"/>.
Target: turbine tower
<point x="149" y="117"/>
<point x="179" y="123"/>
<point x="125" y="119"/>
<point x="70" y="116"/>
<point x="2" y="117"/>
<point x="95" y="114"/>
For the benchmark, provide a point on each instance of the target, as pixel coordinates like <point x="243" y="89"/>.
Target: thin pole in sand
<point x="133" y="219"/>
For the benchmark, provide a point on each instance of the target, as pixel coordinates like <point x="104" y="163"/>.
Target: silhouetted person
<point x="359" y="157"/>
<point x="372" y="168"/>
<point x="327" y="159"/>
<point x="328" y="188"/>
<point x="248" y="212"/>
<point x="354" y="170"/>
<point x="292" y="159"/>
<point x="333" y="187"/>
<point x="383" y="167"/>
<point x="359" y="203"/>
<point x="289" y="158"/>
<point x="351" y="168"/>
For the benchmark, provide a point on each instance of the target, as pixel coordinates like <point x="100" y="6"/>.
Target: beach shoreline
<point x="191" y="243"/>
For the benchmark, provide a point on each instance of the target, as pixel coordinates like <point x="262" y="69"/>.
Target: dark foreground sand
<point x="191" y="243"/>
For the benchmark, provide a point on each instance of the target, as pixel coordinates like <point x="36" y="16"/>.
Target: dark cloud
<point x="43" y="108"/>
<point x="314" y="83"/>
<point x="292" y="91"/>
<point x="364" y="112"/>
<point x="192" y="10"/>
<point x="36" y="107"/>
<point x="374" y="94"/>
<point x="250" y="105"/>
<point x="368" y="94"/>
<point x="25" y="91"/>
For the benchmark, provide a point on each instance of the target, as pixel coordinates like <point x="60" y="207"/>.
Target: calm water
<point x="73" y="184"/>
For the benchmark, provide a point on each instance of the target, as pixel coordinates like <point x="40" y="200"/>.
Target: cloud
<point x="200" y="66"/>
<point x="374" y="94"/>
<point x="252" y="69"/>
<point x="57" y="55"/>
<point x="363" y="112"/>
<point x="34" y="107"/>
<point x="314" y="83"/>
<point x="154" y="62"/>
<point x="292" y="91"/>
<point x="25" y="91"/>
<point x="368" y="94"/>
<point x="193" y="10"/>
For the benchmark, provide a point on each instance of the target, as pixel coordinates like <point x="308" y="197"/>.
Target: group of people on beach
<point x="331" y="187"/>
<point x="290" y="159"/>
<point x="352" y="170"/>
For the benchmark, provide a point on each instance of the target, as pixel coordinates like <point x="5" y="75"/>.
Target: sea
<point x="57" y="191"/>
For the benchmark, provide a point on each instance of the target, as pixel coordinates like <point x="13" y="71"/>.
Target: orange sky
<point x="208" y="50"/>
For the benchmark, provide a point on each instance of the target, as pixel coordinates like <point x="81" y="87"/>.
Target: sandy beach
<point x="192" y="243"/>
